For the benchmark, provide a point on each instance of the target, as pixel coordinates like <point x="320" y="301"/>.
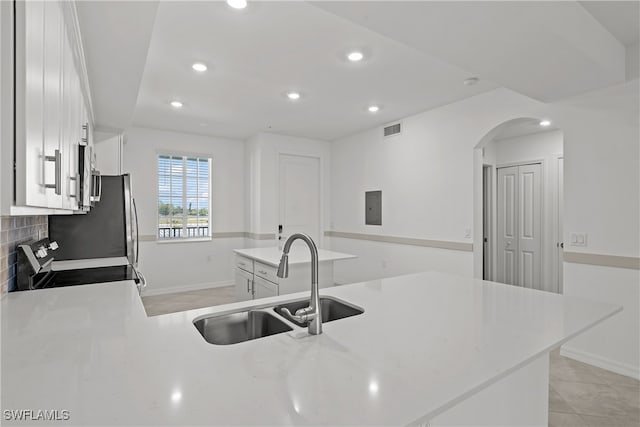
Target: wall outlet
<point x="577" y="239"/>
<point x="467" y="233"/>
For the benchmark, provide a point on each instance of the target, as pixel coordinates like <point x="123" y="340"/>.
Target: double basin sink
<point x="258" y="323"/>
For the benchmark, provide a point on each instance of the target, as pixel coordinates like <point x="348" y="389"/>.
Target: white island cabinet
<point x="429" y="349"/>
<point x="256" y="271"/>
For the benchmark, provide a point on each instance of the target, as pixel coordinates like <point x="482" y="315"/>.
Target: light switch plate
<point x="578" y="239"/>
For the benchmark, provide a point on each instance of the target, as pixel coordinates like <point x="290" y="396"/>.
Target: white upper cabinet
<point x="52" y="118"/>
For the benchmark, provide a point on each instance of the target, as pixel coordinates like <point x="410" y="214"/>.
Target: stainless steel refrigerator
<point x="109" y="229"/>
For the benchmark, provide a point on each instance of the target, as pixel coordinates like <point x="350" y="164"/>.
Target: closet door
<point x="508" y="225"/>
<point x="529" y="226"/>
<point x="520" y="226"/>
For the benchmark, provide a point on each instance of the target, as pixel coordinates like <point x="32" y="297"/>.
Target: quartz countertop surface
<point x="425" y="342"/>
<point x="299" y="254"/>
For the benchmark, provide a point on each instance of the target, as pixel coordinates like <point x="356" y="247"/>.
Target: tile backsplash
<point x="15" y="230"/>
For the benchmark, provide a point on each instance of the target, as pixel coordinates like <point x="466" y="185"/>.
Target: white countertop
<point x="298" y="255"/>
<point x="76" y="264"/>
<point x="425" y="342"/>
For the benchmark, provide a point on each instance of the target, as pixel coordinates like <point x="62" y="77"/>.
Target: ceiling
<point x="256" y="55"/>
<point x="523" y="127"/>
<point x="620" y="18"/>
<point x="417" y="55"/>
<point x="115" y="36"/>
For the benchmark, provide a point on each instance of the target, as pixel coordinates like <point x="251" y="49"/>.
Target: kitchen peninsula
<point x="429" y="349"/>
<point x="256" y="271"/>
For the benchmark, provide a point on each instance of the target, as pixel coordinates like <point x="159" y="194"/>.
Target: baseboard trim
<point x="259" y="236"/>
<point x="603" y="260"/>
<point x="601" y="362"/>
<point x="439" y="244"/>
<point x="195" y="287"/>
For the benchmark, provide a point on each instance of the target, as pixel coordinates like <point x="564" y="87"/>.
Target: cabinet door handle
<point x="57" y="159"/>
<point x="248" y="286"/>
<point x="73" y="178"/>
<point x="262" y="272"/>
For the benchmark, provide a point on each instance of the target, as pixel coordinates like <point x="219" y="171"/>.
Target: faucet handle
<point x="301" y="318"/>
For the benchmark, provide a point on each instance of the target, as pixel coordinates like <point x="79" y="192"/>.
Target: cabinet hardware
<point x="85" y="128"/>
<point x="74" y="178"/>
<point x="262" y="272"/>
<point x="57" y="159"/>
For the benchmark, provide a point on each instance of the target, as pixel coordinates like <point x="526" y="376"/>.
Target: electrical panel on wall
<point x="373" y="207"/>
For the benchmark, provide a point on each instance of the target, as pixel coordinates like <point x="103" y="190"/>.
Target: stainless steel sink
<point x="331" y="308"/>
<point x="238" y="327"/>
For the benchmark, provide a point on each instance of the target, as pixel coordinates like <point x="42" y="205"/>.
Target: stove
<point x="34" y="269"/>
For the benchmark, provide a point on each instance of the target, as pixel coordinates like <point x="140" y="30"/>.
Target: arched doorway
<point x="518" y="168"/>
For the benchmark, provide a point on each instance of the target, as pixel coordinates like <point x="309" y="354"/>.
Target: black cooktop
<point x="82" y="276"/>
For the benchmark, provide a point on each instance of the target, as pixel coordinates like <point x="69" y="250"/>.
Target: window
<point x="184" y="197"/>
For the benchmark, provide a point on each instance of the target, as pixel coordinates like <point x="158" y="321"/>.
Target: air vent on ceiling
<point x="392" y="129"/>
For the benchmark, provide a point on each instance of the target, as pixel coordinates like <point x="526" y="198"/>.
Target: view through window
<point x="184" y="197"/>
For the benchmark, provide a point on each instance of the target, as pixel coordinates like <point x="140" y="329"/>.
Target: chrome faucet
<point x="311" y="314"/>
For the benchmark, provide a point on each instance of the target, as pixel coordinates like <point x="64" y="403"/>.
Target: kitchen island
<point x="429" y="348"/>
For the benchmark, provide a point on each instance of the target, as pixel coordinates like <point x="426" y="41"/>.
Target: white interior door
<point x="300" y="196"/>
<point x="507" y="225"/>
<point x="487" y="239"/>
<point x="529" y="226"/>
<point x="559" y="218"/>
<point x="520" y="226"/>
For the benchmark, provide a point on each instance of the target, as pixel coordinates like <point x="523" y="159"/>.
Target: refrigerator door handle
<point x="99" y="187"/>
<point x="135" y="216"/>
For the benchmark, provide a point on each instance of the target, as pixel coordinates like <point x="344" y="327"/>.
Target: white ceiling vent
<point x="393" y="129"/>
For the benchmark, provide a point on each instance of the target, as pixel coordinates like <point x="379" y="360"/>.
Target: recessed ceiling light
<point x="293" y="96"/>
<point x="355" y="56"/>
<point x="199" y="66"/>
<point x="176" y="104"/>
<point x="373" y="109"/>
<point x="237" y="4"/>
<point x="471" y="81"/>
<point x="545" y="123"/>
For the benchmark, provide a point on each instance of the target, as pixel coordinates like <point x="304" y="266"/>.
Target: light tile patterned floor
<point x="579" y="394"/>
<point x="182" y="301"/>
<point x="583" y="395"/>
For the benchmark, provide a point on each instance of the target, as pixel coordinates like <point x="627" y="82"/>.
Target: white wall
<point x="177" y="266"/>
<point x="545" y="147"/>
<point x="109" y="154"/>
<point x="613" y="344"/>
<point x="430" y="176"/>
<point x="263" y="188"/>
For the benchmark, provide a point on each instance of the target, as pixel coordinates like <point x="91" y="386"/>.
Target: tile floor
<point x="583" y="395"/>
<point x="579" y="394"/>
<point x="182" y="301"/>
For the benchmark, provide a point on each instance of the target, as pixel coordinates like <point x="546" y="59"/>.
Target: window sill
<point x="184" y="240"/>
